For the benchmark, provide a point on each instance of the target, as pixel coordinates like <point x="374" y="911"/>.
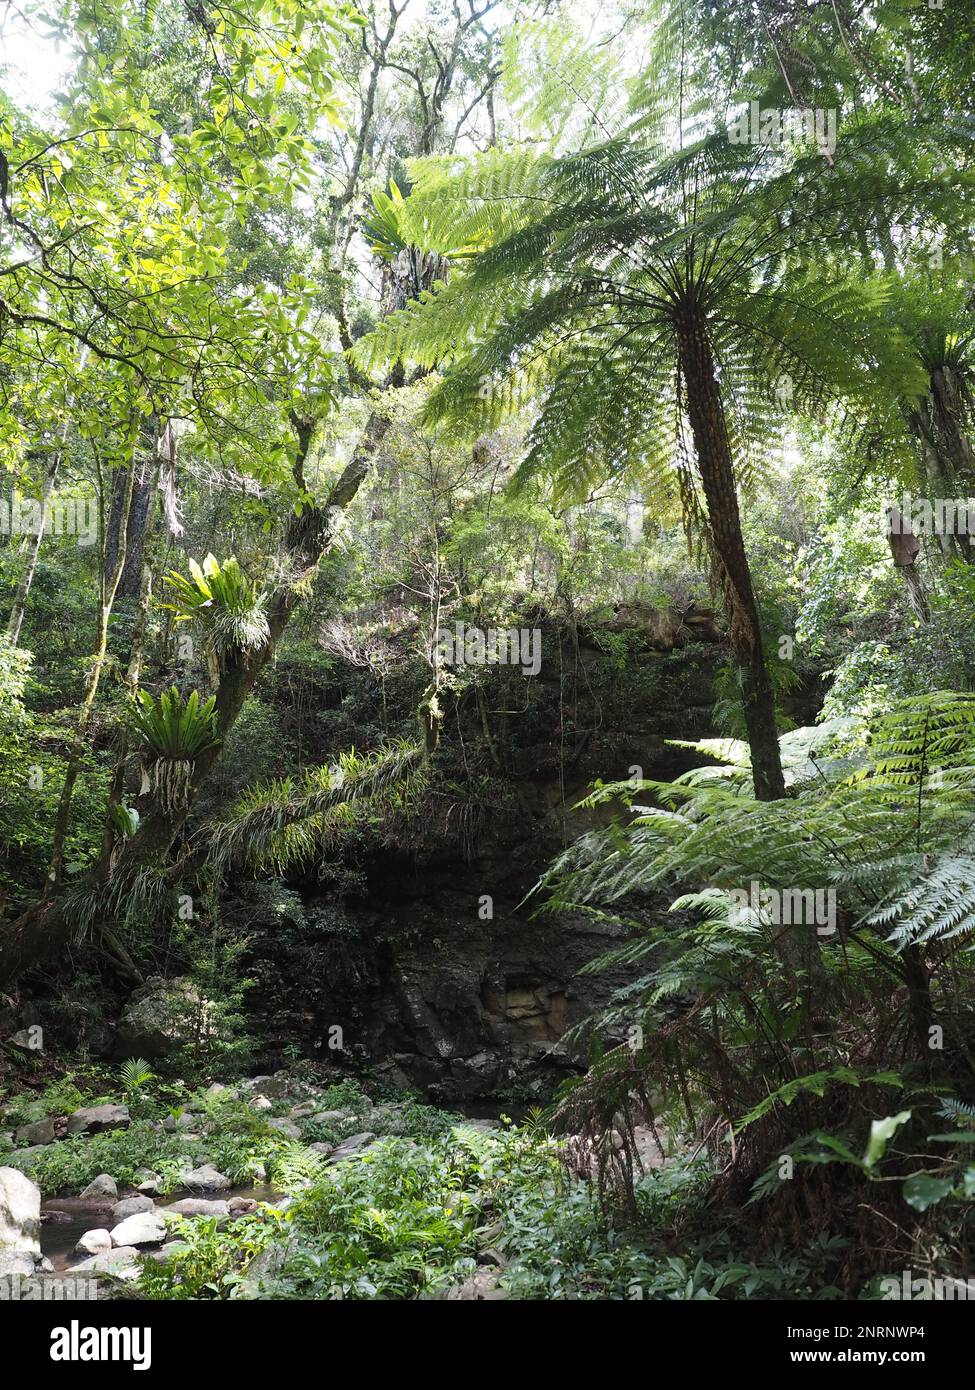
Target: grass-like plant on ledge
<point x="173" y="733"/>
<point x="285" y="822"/>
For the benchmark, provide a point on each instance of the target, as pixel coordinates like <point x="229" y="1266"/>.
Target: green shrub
<point x="70" y="1165"/>
<point x="60" y="1098"/>
<point x="211" y="1262"/>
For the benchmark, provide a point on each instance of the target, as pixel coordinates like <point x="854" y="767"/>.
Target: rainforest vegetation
<point x="487" y="660"/>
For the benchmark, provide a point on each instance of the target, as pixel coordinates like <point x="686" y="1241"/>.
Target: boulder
<point x="173" y="1123"/>
<point x="167" y="1251"/>
<point x="20" y="1218"/>
<point x="92" y="1119"/>
<point x="286" y="1127"/>
<point x="53" y="1216"/>
<point x="242" y="1206"/>
<point x="277" y="1087"/>
<point x="131" y="1206"/>
<point x="481" y="1287"/>
<point x="45" y="1131"/>
<point x="149" y="1183"/>
<point x="102" y="1186"/>
<point x="160" y="1017"/>
<point x="197" y="1206"/>
<point x="144" y="1228"/>
<point x="94" y="1242"/>
<point x="123" y="1263"/>
<point x="206" y="1179"/>
<point x="261" y="1103"/>
<point x="331" y="1117"/>
<point x="217" y="1088"/>
<point x="393" y="1075"/>
<point x="356" y="1143"/>
<point x="653" y="1146"/>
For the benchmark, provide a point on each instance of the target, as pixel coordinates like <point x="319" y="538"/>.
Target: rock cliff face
<point x="434" y="995"/>
<point x="438" y="975"/>
<point x="481" y="1008"/>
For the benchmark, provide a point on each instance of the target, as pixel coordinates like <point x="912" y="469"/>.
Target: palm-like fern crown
<point x="285" y="822"/>
<point x="596" y="256"/>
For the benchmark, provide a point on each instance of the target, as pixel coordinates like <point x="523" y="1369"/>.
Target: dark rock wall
<point x="426" y="986"/>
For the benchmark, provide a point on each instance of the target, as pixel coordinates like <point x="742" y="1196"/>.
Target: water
<point x="491" y="1109"/>
<point x="60" y="1236"/>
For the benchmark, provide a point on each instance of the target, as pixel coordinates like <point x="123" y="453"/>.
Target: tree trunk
<point x="129" y="518"/>
<point x="108" y="590"/>
<point x="937" y="422"/>
<point x="905" y="549"/>
<point x="715" y="465"/>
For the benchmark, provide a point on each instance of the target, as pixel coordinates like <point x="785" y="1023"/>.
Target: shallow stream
<point x="68" y="1218"/>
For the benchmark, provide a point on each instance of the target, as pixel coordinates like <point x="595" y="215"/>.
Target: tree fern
<point x="636" y="299"/>
<point x="713" y="1014"/>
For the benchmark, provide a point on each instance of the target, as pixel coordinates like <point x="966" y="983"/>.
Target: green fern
<point x="723" y="1016"/>
<point x="173" y="733"/>
<point x="171" y="727"/>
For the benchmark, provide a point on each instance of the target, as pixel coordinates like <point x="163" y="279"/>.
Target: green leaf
<point x="881" y="1132"/>
<point x="922" y="1191"/>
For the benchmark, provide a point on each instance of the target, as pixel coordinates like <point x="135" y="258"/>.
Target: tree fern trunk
<point x="937" y="422"/>
<point x="713" y="448"/>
